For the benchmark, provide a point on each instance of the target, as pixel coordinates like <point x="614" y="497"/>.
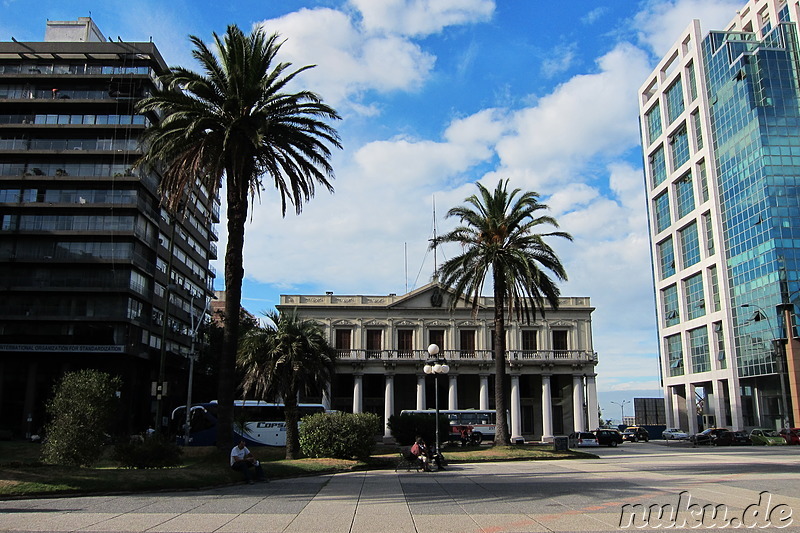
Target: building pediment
<point x="375" y="323"/>
<point x="343" y="322"/>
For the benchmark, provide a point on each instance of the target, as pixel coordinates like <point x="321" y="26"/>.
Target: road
<point x="635" y="486"/>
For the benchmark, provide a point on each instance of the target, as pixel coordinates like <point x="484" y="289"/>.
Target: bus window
<point x="468" y="419"/>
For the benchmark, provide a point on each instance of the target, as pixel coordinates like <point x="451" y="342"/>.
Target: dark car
<point x="707" y="436"/>
<point x="635" y="434"/>
<point x="733" y="438"/>
<point x="792" y="436"/>
<point x="609" y="437"/>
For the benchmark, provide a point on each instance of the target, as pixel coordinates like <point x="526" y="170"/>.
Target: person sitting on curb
<point x="242" y="460"/>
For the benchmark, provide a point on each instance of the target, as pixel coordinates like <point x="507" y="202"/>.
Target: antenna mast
<point x="434" y="242"/>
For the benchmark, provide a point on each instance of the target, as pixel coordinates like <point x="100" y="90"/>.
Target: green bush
<point x="149" y="452"/>
<point x="339" y="435"/>
<point x="80" y="411"/>
<point x="407" y="427"/>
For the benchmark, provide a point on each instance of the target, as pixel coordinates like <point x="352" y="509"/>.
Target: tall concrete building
<point x="94" y="273"/>
<point x="382" y="342"/>
<point x="720" y="122"/>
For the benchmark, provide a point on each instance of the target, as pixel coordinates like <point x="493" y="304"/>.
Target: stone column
<point x="516" y="410"/>
<point x="421" y="392"/>
<point x="577" y="403"/>
<point x="452" y="392"/>
<point x="547" y="409"/>
<point x="591" y="402"/>
<point x="484" y="392"/>
<point x="388" y="406"/>
<point x="691" y="409"/>
<point x="358" y="392"/>
<point x="718" y="406"/>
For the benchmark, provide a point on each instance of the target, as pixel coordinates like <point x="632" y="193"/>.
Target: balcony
<point x="516" y="357"/>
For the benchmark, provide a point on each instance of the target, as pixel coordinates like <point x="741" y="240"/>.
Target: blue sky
<point x="435" y="95"/>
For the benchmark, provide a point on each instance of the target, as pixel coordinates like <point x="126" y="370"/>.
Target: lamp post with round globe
<point x="436" y="365"/>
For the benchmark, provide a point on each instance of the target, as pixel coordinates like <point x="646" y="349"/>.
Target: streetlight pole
<point x="779" y="357"/>
<point x="436" y="365"/>
<point x="192" y="358"/>
<point x="622" y="410"/>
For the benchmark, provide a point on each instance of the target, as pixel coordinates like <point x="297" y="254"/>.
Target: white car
<point x="582" y="439"/>
<point x="674" y="434"/>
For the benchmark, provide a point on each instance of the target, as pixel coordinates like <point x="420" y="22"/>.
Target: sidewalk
<point x="496" y="498"/>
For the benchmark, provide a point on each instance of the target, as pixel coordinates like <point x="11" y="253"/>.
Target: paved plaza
<point x="753" y="486"/>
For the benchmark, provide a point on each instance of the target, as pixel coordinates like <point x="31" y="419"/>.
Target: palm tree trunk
<point x="234" y="274"/>
<point x="501" y="430"/>
<point x="292" y="436"/>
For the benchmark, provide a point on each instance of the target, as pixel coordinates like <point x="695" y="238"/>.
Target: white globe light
<point x="427" y="369"/>
<point x="445" y="369"/>
<point x="433" y="349"/>
<point x="437" y="368"/>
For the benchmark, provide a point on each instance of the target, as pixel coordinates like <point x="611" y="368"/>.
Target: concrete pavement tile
<point x="324" y="517"/>
<point x="194" y="523"/>
<point x="440" y="523"/>
<point x="51" y="522"/>
<point x="505" y="523"/>
<point x="131" y="522"/>
<point x="258" y="523"/>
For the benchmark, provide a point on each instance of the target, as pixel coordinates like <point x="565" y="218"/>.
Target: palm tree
<point x="288" y="357"/>
<point x="234" y="120"/>
<point x="497" y="234"/>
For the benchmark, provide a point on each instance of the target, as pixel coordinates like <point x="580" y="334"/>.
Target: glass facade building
<point x="726" y="205"/>
<point x="94" y="273"/>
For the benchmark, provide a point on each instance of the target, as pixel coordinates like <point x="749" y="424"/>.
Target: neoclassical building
<point x="382" y="346"/>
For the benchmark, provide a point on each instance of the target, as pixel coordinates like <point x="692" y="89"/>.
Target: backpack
<point x="415" y="449"/>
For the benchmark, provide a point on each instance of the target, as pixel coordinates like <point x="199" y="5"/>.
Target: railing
<point x="513" y="356"/>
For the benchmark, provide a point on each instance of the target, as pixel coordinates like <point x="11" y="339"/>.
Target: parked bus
<point x="258" y="423"/>
<point x="482" y="422"/>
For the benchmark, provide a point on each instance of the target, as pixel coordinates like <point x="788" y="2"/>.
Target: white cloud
<point x="349" y="62"/>
<point x="420" y="17"/>
<point x="559" y="59"/>
<point x="588" y="116"/>
<point x="661" y="22"/>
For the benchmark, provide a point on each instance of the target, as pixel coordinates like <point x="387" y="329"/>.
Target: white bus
<point x="482" y="422"/>
<point x="258" y="423"/>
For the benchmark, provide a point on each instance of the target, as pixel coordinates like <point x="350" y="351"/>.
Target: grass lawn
<point x="22" y="474"/>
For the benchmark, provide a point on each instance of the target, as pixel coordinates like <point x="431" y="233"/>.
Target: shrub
<point x="407" y="427"/>
<point x="339" y="435"/>
<point x="151" y="452"/>
<point x="80" y="410"/>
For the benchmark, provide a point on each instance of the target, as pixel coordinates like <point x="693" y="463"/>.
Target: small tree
<point x="81" y="409"/>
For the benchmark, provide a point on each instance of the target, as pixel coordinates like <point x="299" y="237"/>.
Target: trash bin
<point x="560" y="444"/>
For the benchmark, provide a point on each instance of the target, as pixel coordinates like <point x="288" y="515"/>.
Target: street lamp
<point x="622" y="409"/>
<point x="779" y="356"/>
<point x="436" y="365"/>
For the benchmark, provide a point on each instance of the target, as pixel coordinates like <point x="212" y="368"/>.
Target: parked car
<point x="733" y="438"/>
<point x="707" y="436"/>
<point x="608" y="437"/>
<point x="583" y="439"/>
<point x="674" y="434"/>
<point x="635" y="434"/>
<point x="766" y="437"/>
<point x="791" y="436"/>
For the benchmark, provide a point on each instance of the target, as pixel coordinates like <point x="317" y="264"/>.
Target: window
<point x="698" y="343"/>
<point x="701" y="170"/>
<point x="712" y="274"/>
<point x="374" y="341"/>
<point x="342" y="340"/>
<point x="692" y="81"/>
<point x="467" y="341"/>
<point x="529" y="340"/>
<point x="698" y="130"/>
<point x="405" y="340"/>
<point x="719" y="340"/>
<point x="560" y="340"/>
<point x="679" y="147"/>
<point x="690" y="245"/>
<point x="674" y="97"/>
<point x="436" y="336"/>
<point x="693" y="289"/>
<point x="666" y="256"/>
<point x="653" y="119"/>
<point x="709" y="234"/>
<point x="674" y="355"/>
<point x="661" y="209"/>
<point x="669" y="297"/>
<point x="658" y="166"/>
<point x="684" y="194"/>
